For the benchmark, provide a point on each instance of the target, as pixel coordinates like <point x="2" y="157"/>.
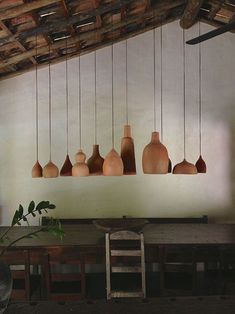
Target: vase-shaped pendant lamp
<point x="37" y="168"/>
<point x="155" y="159"/>
<point x="184" y="167"/>
<point x="113" y="164"/>
<point x="127" y="143"/>
<point x="95" y="162"/>
<point x="50" y="170"/>
<point x="66" y="169"/>
<point x="200" y="164"/>
<point x="80" y="168"/>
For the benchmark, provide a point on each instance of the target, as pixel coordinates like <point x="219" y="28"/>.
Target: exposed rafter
<point x="190" y="13"/>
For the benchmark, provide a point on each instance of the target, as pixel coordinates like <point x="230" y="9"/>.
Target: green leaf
<point x="51" y="206"/>
<point x="42" y="205"/>
<point x="15" y="218"/>
<point x="31" y="207"/>
<point x="33" y="214"/>
<point x="24" y="218"/>
<point x="21" y="211"/>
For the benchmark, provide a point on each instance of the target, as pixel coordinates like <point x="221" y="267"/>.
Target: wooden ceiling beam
<point x="215" y="9"/>
<point x="190" y="13"/>
<point x="24" y="8"/>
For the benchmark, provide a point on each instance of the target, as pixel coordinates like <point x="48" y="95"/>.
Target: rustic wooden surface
<point x="186" y="305"/>
<point x="154" y="234"/>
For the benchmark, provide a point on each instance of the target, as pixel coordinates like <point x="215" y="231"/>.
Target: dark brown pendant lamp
<point x="155" y="158"/>
<point x="50" y="170"/>
<point x="200" y="164"/>
<point x="127" y="143"/>
<point x="95" y="162"/>
<point x="37" y="168"/>
<point x="184" y="167"/>
<point x="80" y="168"/>
<point x="66" y="169"/>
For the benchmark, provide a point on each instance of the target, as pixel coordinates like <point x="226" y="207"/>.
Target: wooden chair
<point x="127" y="246"/>
<point x="20" y="269"/>
<point x="68" y="285"/>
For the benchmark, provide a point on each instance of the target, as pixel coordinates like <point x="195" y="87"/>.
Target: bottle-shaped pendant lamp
<point x="113" y="165"/>
<point x="200" y="164"/>
<point x="95" y="162"/>
<point x="80" y="168"/>
<point x="37" y="168"/>
<point x="184" y="167"/>
<point x="50" y="170"/>
<point x="155" y="158"/>
<point x="127" y="143"/>
<point x="66" y="169"/>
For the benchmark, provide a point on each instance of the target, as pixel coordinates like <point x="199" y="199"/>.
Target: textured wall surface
<point x="142" y="195"/>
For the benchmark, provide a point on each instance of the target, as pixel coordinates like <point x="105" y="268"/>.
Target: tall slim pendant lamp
<point x="184" y="167"/>
<point x="66" y="169"/>
<point x="200" y="164"/>
<point x="127" y="143"/>
<point x="95" y="162"/>
<point x="37" y="168"/>
<point x="50" y="170"/>
<point x="80" y="168"/>
<point x="113" y="165"/>
<point x="155" y="158"/>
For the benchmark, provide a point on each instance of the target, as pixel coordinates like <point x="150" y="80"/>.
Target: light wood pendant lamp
<point x="95" y="162"/>
<point x="37" y="168"/>
<point x="80" y="168"/>
<point x="66" y="169"/>
<point x="155" y="158"/>
<point x="50" y="170"/>
<point x="113" y="165"/>
<point x="127" y="143"/>
<point x="184" y="167"/>
<point x="200" y="164"/>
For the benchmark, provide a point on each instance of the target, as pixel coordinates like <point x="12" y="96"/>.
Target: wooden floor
<point x="183" y="305"/>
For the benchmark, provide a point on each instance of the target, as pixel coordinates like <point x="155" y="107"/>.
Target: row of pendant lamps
<point x="155" y="159"/>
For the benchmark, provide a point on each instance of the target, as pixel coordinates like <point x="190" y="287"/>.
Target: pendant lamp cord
<point x="79" y="104"/>
<point x="127" y="116"/>
<point x="154" y="80"/>
<point x="161" y="92"/>
<point x="36" y="82"/>
<point x="200" y="93"/>
<point x="95" y="98"/>
<point x="49" y="73"/>
<point x="112" y="94"/>
<point x="67" y="97"/>
<point x="184" y="83"/>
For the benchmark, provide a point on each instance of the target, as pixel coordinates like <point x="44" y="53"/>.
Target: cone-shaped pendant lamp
<point x="66" y="169"/>
<point x="127" y="143"/>
<point x="80" y="168"/>
<point x="50" y="170"/>
<point x="200" y="164"/>
<point x="37" y="168"/>
<point x="155" y="158"/>
<point x="113" y="165"/>
<point x="184" y="167"/>
<point x="95" y="162"/>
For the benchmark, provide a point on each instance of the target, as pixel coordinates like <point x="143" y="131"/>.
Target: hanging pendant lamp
<point x="184" y="167"/>
<point x="95" y="162"/>
<point x="50" y="170"/>
<point x="113" y="165"/>
<point x="80" y="168"/>
<point x="66" y="169"/>
<point x="155" y="158"/>
<point x="200" y="164"/>
<point x="127" y="143"/>
<point x="37" y="168"/>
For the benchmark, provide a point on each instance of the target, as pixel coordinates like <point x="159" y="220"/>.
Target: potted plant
<point x="21" y="215"/>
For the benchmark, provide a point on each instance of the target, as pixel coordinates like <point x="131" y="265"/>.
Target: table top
<point x="154" y="234"/>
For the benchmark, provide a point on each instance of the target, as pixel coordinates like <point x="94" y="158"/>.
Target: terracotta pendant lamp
<point x="184" y="167"/>
<point x="37" y="168"/>
<point x="95" y="162"/>
<point x="50" y="170"/>
<point x="80" y="168"/>
<point x="200" y="164"/>
<point x="66" y="169"/>
<point x="155" y="158"/>
<point x="127" y="143"/>
<point x="113" y="165"/>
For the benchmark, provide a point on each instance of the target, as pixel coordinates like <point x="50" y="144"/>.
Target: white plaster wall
<point x="142" y="195"/>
